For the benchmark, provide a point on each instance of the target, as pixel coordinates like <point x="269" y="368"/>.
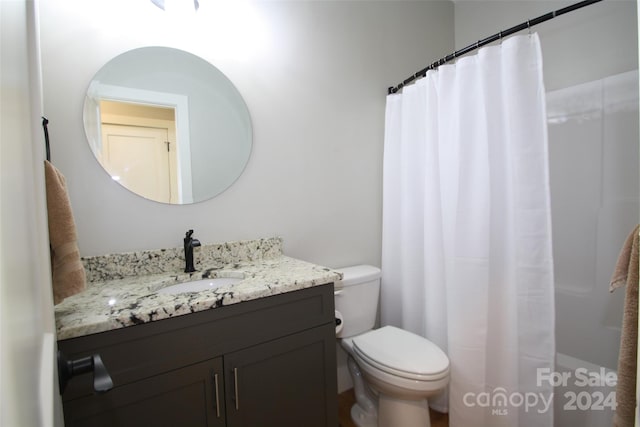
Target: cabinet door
<point x="288" y="382"/>
<point x="183" y="397"/>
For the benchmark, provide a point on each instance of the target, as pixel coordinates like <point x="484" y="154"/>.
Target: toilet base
<point x="364" y="413"/>
<point x="361" y="418"/>
<point x="399" y="412"/>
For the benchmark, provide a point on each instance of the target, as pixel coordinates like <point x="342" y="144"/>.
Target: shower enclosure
<point x="593" y="149"/>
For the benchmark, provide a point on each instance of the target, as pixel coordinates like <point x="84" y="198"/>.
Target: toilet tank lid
<point x="358" y="274"/>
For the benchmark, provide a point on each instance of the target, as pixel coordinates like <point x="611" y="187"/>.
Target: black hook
<point x="45" y="122"/>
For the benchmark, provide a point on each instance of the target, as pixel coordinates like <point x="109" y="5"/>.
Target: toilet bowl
<point x="394" y="371"/>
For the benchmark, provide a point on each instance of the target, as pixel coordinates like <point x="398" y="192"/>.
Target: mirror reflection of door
<point x="151" y="174"/>
<point x="142" y="157"/>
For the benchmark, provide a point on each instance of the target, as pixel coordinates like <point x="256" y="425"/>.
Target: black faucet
<point x="189" y="244"/>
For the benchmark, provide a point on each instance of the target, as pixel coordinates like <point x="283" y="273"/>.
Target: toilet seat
<point x="402" y="353"/>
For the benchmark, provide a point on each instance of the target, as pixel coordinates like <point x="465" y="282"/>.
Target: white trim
<point x="99" y="91"/>
<point x="48" y="379"/>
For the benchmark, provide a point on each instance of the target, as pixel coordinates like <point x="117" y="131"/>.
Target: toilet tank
<point x="356" y="298"/>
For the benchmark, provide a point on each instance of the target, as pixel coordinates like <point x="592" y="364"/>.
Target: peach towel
<point x="66" y="268"/>
<point x="626" y="273"/>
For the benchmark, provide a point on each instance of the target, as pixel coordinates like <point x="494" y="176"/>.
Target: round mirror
<point x="167" y="125"/>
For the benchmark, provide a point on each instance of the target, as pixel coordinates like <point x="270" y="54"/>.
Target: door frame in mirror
<point x="180" y="103"/>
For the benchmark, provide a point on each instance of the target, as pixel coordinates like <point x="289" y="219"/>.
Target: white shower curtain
<point x="466" y="259"/>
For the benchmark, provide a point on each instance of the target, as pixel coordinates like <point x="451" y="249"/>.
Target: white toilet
<point x="393" y="371"/>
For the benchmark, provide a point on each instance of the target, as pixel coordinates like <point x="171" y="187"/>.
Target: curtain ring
<point x="529" y="26"/>
<point x="500" y="35"/>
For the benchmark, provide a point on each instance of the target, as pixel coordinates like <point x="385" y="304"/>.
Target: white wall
<point x="314" y="76"/>
<point x="28" y="386"/>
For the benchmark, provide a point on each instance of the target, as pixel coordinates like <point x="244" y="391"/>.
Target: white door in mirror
<point x="153" y="176"/>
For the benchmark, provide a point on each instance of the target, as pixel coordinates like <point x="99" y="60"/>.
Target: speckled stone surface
<point x="128" y="264"/>
<point x="125" y="299"/>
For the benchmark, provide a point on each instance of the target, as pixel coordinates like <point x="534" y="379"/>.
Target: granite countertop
<point x="113" y="303"/>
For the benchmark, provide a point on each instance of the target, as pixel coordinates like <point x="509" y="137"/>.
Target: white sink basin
<point x="199" y="285"/>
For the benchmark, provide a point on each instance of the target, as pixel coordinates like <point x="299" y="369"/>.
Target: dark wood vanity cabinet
<point x="267" y="362"/>
<point x="182" y="397"/>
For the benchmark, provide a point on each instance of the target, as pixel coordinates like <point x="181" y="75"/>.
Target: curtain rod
<point x="498" y="36"/>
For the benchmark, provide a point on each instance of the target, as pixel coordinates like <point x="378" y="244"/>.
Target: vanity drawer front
<point x="138" y="352"/>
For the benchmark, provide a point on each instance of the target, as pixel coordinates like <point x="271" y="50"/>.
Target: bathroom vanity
<point x="260" y="352"/>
